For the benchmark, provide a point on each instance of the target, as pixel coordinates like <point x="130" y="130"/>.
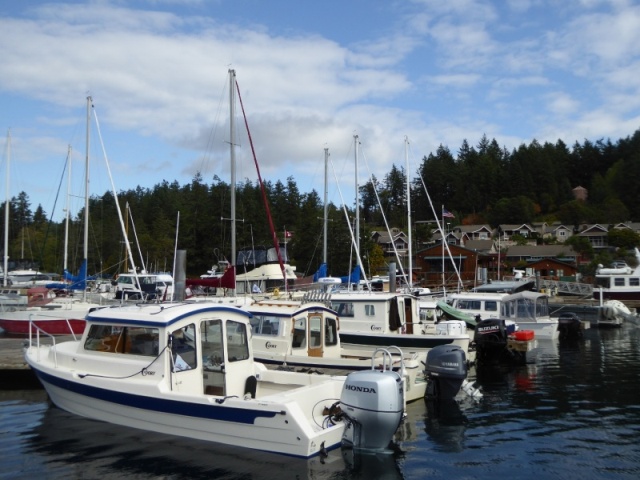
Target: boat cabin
<point x="210" y="350"/>
<point x="376" y="312"/>
<point x="282" y="329"/>
<point x="485" y="304"/>
<point x="525" y="306"/>
<point x="143" y="286"/>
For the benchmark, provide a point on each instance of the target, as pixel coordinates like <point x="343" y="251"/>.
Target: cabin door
<point x="315" y="331"/>
<point x="408" y="315"/>
<point x="227" y="366"/>
<point x="211" y="342"/>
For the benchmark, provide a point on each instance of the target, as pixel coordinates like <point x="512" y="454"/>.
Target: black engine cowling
<point x="491" y="333"/>
<point x="446" y="369"/>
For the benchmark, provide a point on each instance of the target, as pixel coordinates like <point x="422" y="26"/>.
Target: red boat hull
<point x="52" y="327"/>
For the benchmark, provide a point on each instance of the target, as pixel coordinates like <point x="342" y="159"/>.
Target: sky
<point x="312" y="75"/>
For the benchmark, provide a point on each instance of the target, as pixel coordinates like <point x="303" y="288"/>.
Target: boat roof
<point x="164" y="277"/>
<point x="524" y="294"/>
<point x="159" y="315"/>
<point x="362" y="296"/>
<point x="285" y="309"/>
<point x="479" y="295"/>
<point x="508" y="286"/>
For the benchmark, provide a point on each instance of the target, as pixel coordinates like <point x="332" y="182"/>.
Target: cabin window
<point x="491" y="306"/>
<point x="183" y="348"/>
<point x="331" y="332"/>
<point x="299" y="333"/>
<point x="469" y="304"/>
<point x="265" y="325"/>
<point x="315" y="331"/>
<point x="634" y="282"/>
<point x="237" y="342"/>
<point x="370" y="310"/>
<point x="211" y="343"/>
<point x="618" y="282"/>
<point x="344" y="309"/>
<point x="117" y="339"/>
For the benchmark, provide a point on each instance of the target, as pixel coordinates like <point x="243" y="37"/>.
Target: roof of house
<point x="483" y="246"/>
<point x="549" y="251"/>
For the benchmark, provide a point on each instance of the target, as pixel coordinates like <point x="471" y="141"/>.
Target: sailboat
<point x="255" y="269"/>
<point x="369" y="320"/>
<point x="62" y="315"/>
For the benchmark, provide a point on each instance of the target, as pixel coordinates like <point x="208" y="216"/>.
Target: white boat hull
<point x="269" y="423"/>
<point x="542" y="330"/>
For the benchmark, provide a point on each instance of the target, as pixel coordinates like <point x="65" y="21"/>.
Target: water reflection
<point x="445" y="424"/>
<point x="70" y="446"/>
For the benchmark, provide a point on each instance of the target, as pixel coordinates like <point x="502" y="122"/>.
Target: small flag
<point x="287" y="234"/>
<point x="447" y="214"/>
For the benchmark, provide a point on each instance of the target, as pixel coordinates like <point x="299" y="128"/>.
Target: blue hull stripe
<point x="402" y="341"/>
<point x="161" y="405"/>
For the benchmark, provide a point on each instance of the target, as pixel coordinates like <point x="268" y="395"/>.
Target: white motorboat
<point x="485" y="304"/>
<point x="187" y="369"/>
<point x="304" y="336"/>
<point x="142" y="286"/>
<point x="371" y="320"/>
<point x="619" y="282"/>
<point x="530" y="311"/>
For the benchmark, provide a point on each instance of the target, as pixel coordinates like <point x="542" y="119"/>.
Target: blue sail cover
<point x="77" y="282"/>
<point x="354" y="277"/>
<point x="321" y="273"/>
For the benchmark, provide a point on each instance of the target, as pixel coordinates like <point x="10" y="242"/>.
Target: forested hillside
<point x="481" y="184"/>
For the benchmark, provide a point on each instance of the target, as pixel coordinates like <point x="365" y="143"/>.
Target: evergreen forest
<point x="479" y="184"/>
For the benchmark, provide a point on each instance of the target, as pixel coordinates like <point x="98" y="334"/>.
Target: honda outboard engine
<point x="372" y="403"/>
<point x="490" y="339"/>
<point x="446" y="369"/>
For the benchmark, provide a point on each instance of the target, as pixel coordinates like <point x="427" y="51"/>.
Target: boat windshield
<point x="118" y="339"/>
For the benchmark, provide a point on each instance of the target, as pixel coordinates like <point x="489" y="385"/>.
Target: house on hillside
<point x="468" y="233"/>
<point x="505" y="233"/>
<point x="387" y="241"/>
<point x="596" y="234"/>
<point x="437" y="265"/>
<point x="633" y="226"/>
<point x="527" y="254"/>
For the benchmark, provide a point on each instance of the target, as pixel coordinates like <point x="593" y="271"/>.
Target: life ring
<point x="276" y="292"/>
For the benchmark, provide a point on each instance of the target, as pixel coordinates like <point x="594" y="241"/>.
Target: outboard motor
<point x="372" y="404"/>
<point x="490" y="339"/>
<point x="446" y="369"/>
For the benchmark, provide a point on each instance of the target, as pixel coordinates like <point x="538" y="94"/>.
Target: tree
<point x="623" y="238"/>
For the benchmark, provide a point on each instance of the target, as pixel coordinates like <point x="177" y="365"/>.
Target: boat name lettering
<point x="375" y="328"/>
<point x="147" y="372"/>
<point x="357" y="388"/>
<point x="270" y="345"/>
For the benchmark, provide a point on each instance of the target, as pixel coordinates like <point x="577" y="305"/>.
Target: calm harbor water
<point x="575" y="413"/>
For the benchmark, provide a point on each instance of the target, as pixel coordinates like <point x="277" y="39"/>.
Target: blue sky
<point x="312" y="74"/>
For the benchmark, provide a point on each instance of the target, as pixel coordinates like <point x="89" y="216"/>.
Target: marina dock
<point x="15" y="374"/>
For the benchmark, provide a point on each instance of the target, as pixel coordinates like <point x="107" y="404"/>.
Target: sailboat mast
<point x="406" y="174"/>
<point x="6" y="213"/>
<point x="86" y="195"/>
<point x="326" y="205"/>
<point x="357" y="226"/>
<point x="65" y="263"/>
<point x="232" y="145"/>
